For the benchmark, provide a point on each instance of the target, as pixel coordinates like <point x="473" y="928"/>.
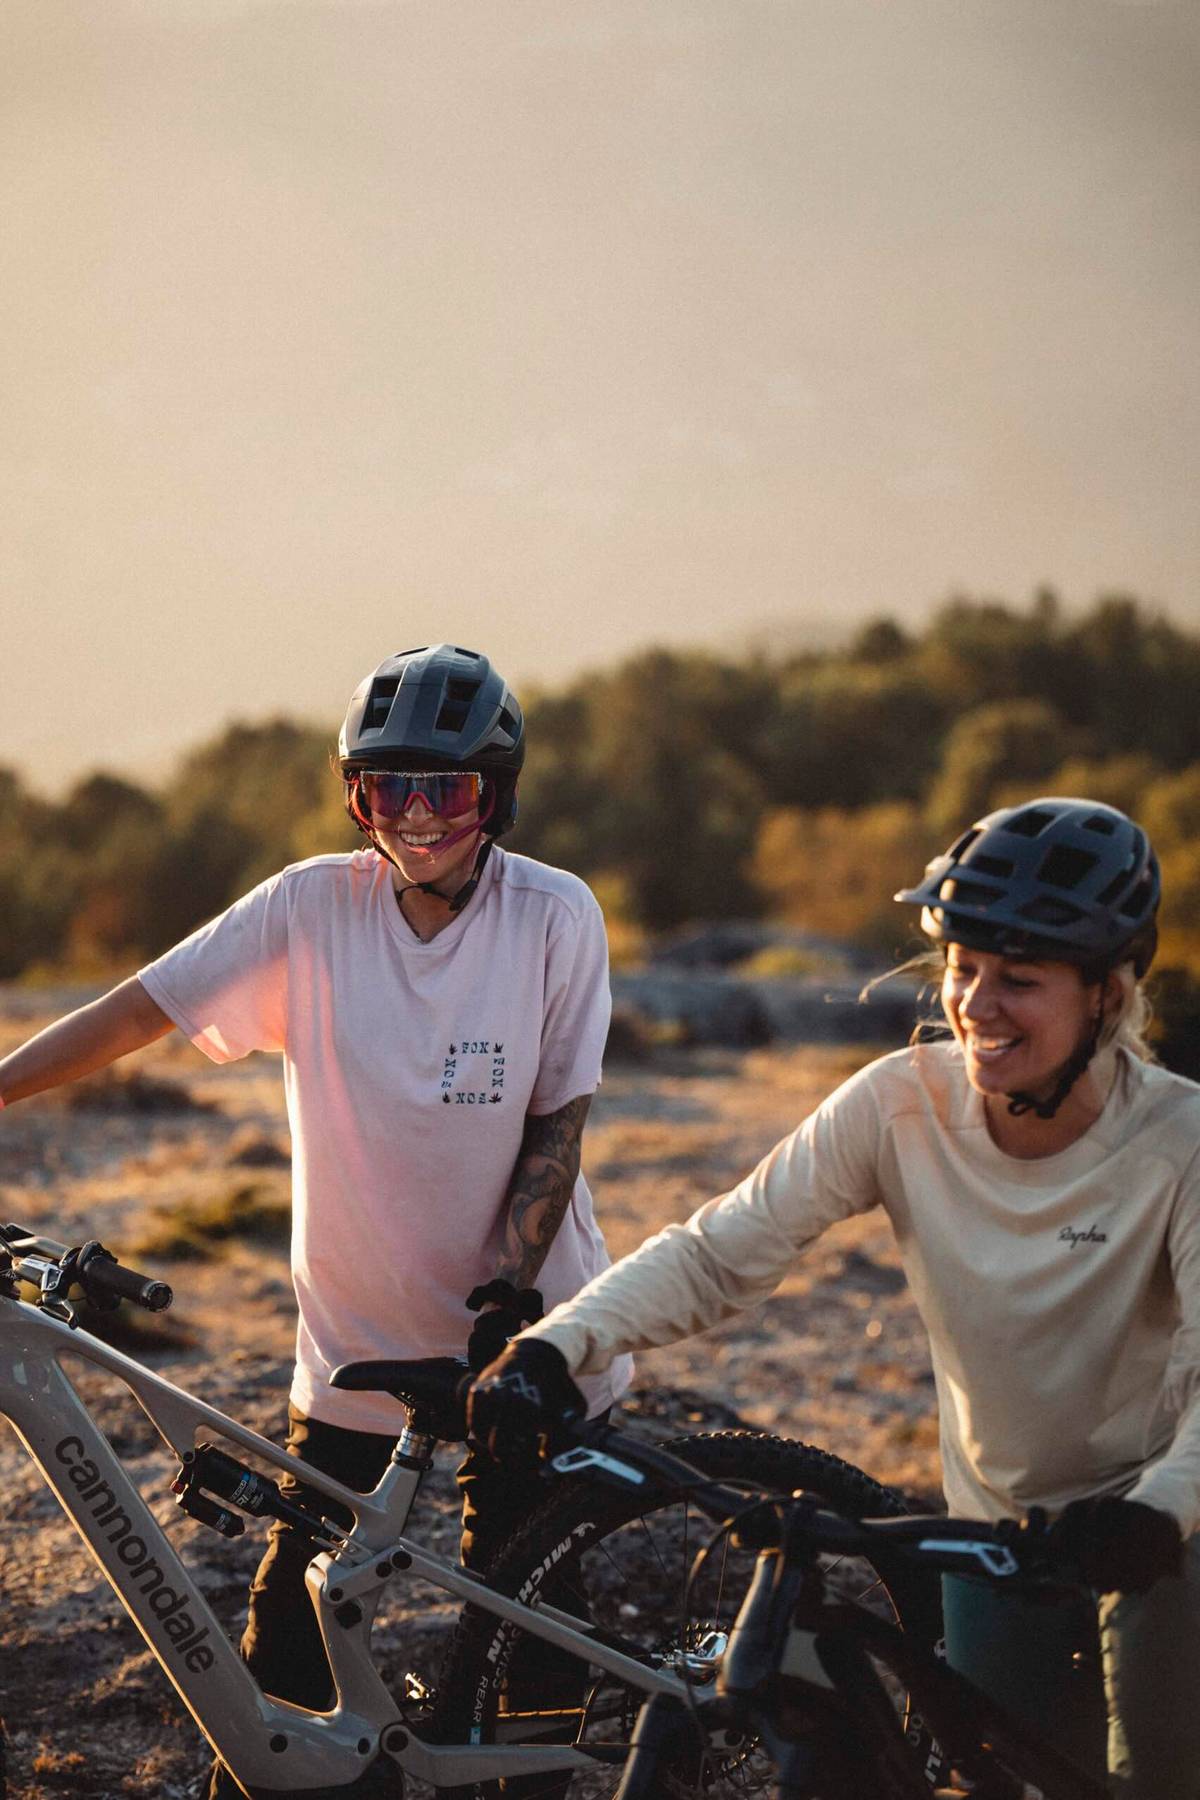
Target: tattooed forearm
<point x="541" y="1188"/>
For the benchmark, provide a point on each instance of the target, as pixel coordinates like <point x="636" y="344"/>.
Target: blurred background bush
<point x="685" y="786"/>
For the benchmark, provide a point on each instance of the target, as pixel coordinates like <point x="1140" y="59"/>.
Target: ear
<point x="354" y="808"/>
<point x="1111" y="994"/>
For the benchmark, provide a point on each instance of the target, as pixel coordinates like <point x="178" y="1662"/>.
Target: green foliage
<point x="1119" y="781"/>
<point x="251" y="789"/>
<point x="650" y="770"/>
<point x="981" y="651"/>
<point x="1170" y="809"/>
<point x="834" y="872"/>
<point x="1008" y="741"/>
<point x="683" y="785"/>
<point x="851" y="734"/>
<point x="114" y="874"/>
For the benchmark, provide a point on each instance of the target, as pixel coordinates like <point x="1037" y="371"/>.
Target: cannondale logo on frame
<point x="170" y="1608"/>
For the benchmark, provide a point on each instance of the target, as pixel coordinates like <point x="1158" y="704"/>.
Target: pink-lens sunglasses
<point x="387" y="794"/>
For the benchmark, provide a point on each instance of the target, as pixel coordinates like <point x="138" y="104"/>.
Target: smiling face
<point x="413" y="845"/>
<point x="1018" y="1022"/>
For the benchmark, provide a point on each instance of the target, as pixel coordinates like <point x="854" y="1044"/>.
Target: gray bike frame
<point x="267" y="1743"/>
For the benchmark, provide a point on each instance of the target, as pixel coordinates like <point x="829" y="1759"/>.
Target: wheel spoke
<point x="683" y="1567"/>
<point x="724" y="1567"/>
<point x="629" y="1574"/>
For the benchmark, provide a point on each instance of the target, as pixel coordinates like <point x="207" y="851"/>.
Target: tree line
<point x="683" y="785"/>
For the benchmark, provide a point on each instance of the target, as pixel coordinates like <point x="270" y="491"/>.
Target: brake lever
<point x="586" y="1456"/>
<point x="57" y="1277"/>
<point x="57" y="1281"/>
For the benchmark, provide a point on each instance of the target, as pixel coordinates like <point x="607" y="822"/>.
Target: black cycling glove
<point x="518" y="1406"/>
<point x="1121" y="1546"/>
<point x="511" y="1309"/>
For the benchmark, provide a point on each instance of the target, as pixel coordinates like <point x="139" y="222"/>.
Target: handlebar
<point x="801" y="1527"/>
<point x="57" y="1269"/>
<point x="609" y="1454"/>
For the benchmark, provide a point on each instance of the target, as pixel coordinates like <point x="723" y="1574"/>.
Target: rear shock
<point x="207" y="1468"/>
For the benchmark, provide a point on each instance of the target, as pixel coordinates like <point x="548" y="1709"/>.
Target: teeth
<point x="433" y="837"/>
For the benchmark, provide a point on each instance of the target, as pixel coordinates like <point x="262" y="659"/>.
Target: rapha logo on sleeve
<point x="1069" y="1235"/>
<point x="473" y="1072"/>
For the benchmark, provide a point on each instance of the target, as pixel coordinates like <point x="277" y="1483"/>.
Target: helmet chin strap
<point x="1068" y="1075"/>
<point x="459" y="899"/>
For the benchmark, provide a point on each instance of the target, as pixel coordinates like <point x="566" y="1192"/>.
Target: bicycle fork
<point x="671" y="1733"/>
<point x="814" y="1699"/>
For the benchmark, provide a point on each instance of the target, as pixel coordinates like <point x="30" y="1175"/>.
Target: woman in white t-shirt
<point x="441" y="1008"/>
<point x="1042" y="1176"/>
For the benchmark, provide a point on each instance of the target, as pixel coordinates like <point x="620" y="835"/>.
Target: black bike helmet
<point x="437" y="708"/>
<point x="1071" y="880"/>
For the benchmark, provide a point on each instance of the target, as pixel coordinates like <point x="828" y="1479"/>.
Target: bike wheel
<point x="624" y="1562"/>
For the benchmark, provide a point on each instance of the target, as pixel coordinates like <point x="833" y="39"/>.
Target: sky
<point x="561" y="327"/>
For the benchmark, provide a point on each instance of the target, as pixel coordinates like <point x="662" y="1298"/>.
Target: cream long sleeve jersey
<point x="1061" y="1295"/>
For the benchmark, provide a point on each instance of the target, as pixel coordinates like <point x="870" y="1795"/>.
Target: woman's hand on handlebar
<point x="523" y="1401"/>
<point x="1120" y="1546"/>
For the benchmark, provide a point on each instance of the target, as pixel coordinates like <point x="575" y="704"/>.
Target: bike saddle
<point x="431" y="1390"/>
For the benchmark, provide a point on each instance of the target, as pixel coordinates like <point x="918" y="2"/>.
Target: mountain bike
<point x="812" y="1681"/>
<point x="598" y="1584"/>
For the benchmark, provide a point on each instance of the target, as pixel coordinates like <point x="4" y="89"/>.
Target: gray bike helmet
<point x="1071" y="880"/>
<point x="438" y="708"/>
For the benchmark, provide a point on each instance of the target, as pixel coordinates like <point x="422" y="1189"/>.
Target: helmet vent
<point x="507" y="723"/>
<point x="1099" y="823"/>
<point x="1137" y="900"/>
<point x="1030" y="823"/>
<point x="456" y="707"/>
<point x="1065" y="866"/>
<point x="991" y="865"/>
<point x="380" y="703"/>
<point x="1046" y="910"/>
<point x="1115" y="888"/>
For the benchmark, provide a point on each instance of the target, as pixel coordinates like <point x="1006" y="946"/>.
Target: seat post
<point x="414" y="1448"/>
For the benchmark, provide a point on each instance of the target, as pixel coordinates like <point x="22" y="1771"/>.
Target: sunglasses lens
<point x="388" y="794"/>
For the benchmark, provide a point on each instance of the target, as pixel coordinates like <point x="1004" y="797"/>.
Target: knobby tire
<point x="624" y="1560"/>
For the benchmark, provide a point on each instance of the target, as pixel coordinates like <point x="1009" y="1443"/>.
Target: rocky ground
<point x="159" y="1164"/>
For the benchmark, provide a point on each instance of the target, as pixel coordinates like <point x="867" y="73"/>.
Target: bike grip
<point x="127" y="1284"/>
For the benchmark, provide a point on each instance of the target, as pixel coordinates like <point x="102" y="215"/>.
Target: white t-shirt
<point x="409" y="1070"/>
<point x="1061" y="1295"/>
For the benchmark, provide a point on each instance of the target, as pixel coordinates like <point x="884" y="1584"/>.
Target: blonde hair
<point x="1128" y="1023"/>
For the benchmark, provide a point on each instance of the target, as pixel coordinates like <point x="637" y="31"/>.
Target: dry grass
<point x="200" y="1227"/>
<point x="836" y="1356"/>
